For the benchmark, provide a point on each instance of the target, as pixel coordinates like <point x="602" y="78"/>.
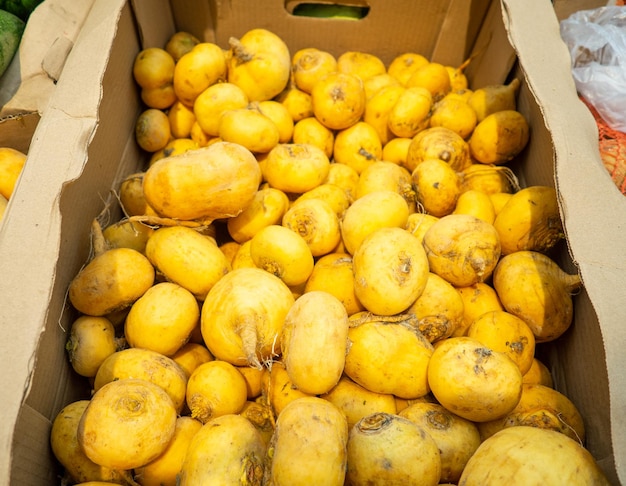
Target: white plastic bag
<point x="596" y="40"/>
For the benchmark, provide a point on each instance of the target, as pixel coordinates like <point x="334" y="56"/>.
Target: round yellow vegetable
<point x="462" y="249"/>
<point x="128" y="423"/>
<point x="91" y="341"/>
<point x="390" y="449"/>
<point x="243" y="315"/>
<point x="215" y="388"/>
<point x="473" y="381"/>
<point x="390" y="271"/>
<point x="526" y="455"/>
<point x="162" y="319"/>
<point x="259" y="63"/>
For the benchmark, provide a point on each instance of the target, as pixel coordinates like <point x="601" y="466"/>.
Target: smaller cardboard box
<point x="85" y="146"/>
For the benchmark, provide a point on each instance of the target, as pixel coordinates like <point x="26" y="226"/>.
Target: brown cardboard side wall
<point x="428" y="27"/>
<point x="47" y="238"/>
<point x="590" y="359"/>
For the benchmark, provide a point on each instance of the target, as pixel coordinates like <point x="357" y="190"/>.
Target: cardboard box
<point x="31" y="78"/>
<point x="85" y="146"/>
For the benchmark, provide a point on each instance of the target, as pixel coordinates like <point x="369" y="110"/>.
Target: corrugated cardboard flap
<point x="593" y="210"/>
<point x="30" y="237"/>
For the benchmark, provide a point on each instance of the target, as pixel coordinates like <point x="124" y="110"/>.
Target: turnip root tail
<point x="97" y="238"/>
<point x="249" y="341"/>
<point x="239" y="51"/>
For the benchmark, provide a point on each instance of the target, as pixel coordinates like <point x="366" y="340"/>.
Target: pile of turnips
<point x="326" y="274"/>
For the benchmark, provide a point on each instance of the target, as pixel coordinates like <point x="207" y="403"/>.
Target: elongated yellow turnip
<point x="209" y="183"/>
<point x="308" y="445"/>
<point x="316" y="325"/>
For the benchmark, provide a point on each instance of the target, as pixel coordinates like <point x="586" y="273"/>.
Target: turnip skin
<point x="214" y="389"/>
<point x="389" y="449"/>
<point x="144" y="364"/>
<point x="242" y="316"/>
<point x="209" y="183"/>
<point x="308" y="445"/>
<point x="316" y="325"/>
<point x="226" y="450"/>
<point x="456" y="437"/>
<point x="128" y="423"/>
<point x="111" y="281"/>
<point x="388" y="357"/>
<point x="524" y="455"/>
<point x="390" y="271"/>
<point x="91" y="341"/>
<point x="67" y="450"/>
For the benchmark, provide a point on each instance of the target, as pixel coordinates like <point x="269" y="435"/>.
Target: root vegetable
<point x="310" y="64"/>
<point x="506" y="333"/>
<point x="296" y="168"/>
<point x="242" y="316"/>
<point x="147" y="365"/>
<point x="389" y="449"/>
<point x="338" y="100"/>
<point x="316" y="325"/>
<point x="259" y="63"/>
<point x="127" y="234"/>
<point x="499" y="137"/>
<point x="191" y="355"/>
<point x="163" y="471"/>
<point x="78" y="468"/>
<point x="196" y="70"/>
<point x="278" y="389"/>
<point x="226" y="450"/>
<point x="111" y="281"/>
<point x="316" y="222"/>
<point x="214" y="101"/>
<point x="254" y="380"/>
<point x="475" y="203"/>
<point x="418" y="223"/>
<point x="215" y="388"/>
<point x="390" y="271"/>
<point x="380" y="209"/>
<point x="378" y="108"/>
<point x="332" y="194"/>
<point x="462" y="249"/>
<point x="437" y="187"/>
<point x="438" y="310"/>
<point x="382" y="175"/>
<point x="209" y="183"/>
<point x="388" y="357"/>
<point x="526" y="455"/>
<point x="361" y="64"/>
<point x="477" y="299"/>
<point x="533" y="287"/>
<point x="333" y="273"/>
<point x="357" y="402"/>
<point x="128" y="423"/>
<point x="188" y="258"/>
<point x="12" y="162"/>
<point x="267" y="207"/>
<point x="162" y="319"/>
<point x="249" y="128"/>
<point x="454" y="114"/>
<point x="473" y="381"/>
<point x="283" y="253"/>
<point x="530" y="220"/>
<point x="404" y="65"/>
<point x="439" y="143"/>
<point x="456" y="437"/>
<point x="494" y="97"/>
<point x="411" y="113"/>
<point x="357" y="146"/>
<point x="490" y="179"/>
<point x="538" y="374"/>
<point x="311" y="131"/>
<point x="432" y="76"/>
<point x="543" y="407"/>
<point x="91" y="341"/>
<point x="308" y="445"/>
<point x="261" y="416"/>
